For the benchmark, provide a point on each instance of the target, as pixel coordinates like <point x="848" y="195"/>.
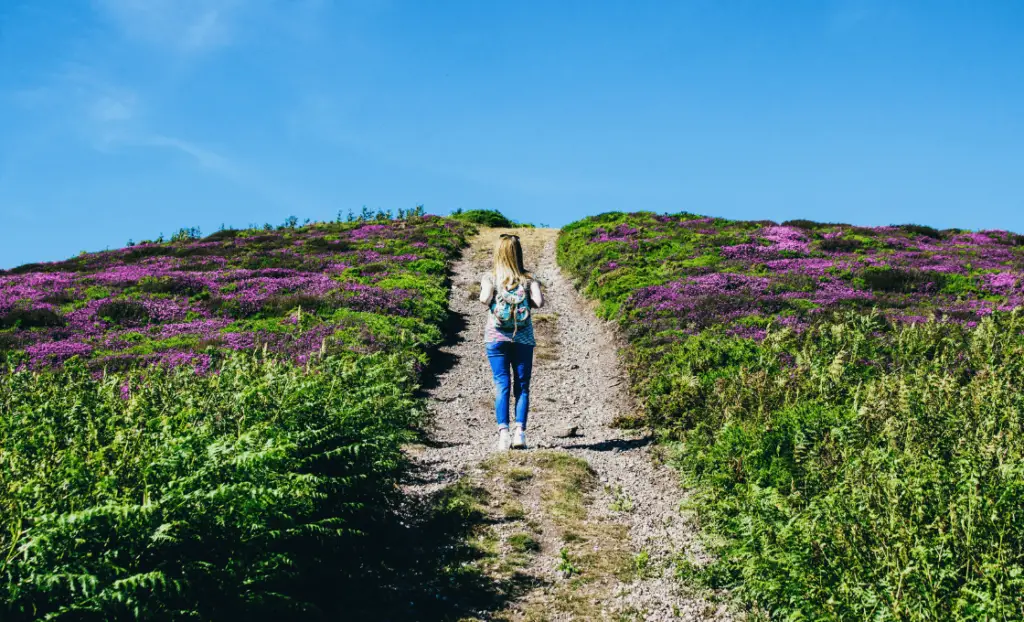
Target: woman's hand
<point x="486" y="290"/>
<point x="536" y="296"/>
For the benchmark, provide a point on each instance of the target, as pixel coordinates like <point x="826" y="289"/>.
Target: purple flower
<point x="49" y="352"/>
<point x="171" y="296"/>
<point x="621" y="233"/>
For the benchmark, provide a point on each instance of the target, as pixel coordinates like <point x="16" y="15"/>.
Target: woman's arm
<point x="486" y="289"/>
<point x="536" y="296"/>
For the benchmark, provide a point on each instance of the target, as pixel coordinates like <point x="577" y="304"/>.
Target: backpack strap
<point x="526" y="299"/>
<point x="492" y="306"/>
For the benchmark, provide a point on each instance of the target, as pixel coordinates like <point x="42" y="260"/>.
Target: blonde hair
<point x="509" y="272"/>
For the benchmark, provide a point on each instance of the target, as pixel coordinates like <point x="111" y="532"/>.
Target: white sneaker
<point x="504" y="440"/>
<point x="519" y="438"/>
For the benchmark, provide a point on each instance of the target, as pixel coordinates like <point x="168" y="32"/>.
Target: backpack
<point x="511" y="308"/>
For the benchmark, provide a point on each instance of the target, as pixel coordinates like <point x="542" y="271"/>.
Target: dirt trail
<point x="577" y="381"/>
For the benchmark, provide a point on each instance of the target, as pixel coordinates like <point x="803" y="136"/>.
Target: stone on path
<point x="568" y="432"/>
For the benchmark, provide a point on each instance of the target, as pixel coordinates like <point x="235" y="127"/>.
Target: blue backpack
<point x="511" y="308"/>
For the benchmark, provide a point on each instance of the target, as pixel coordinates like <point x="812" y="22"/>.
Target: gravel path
<point x="577" y="381"/>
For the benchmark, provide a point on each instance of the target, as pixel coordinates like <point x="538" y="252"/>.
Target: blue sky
<point x="126" y="118"/>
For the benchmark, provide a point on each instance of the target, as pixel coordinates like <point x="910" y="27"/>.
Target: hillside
<point x="213" y="428"/>
<point x="690" y="272"/>
<point x="298" y="422"/>
<point x="294" y="291"/>
<point x="844" y="400"/>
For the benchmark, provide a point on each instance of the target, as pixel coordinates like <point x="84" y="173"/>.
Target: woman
<point x="510" y="294"/>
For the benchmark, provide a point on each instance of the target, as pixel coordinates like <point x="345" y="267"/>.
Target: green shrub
<point x="922" y="230"/>
<point x="249" y="493"/>
<point x="223" y="234"/>
<point x="863" y="474"/>
<point x="31" y="318"/>
<point x="484" y="217"/>
<point x="126" y="312"/>
<point x="903" y="281"/>
<point x="840" y="245"/>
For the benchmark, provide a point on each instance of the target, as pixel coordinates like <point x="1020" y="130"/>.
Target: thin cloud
<point x="113" y="138"/>
<point x="207" y="158"/>
<point x="218" y="164"/>
<point x="852" y="15"/>
<point x="187" y="26"/>
<point x="197" y="27"/>
<point x="204" y="32"/>
<point x="110" y="108"/>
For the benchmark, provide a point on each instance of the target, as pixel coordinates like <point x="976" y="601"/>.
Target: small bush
<point x="135" y="253"/>
<point x="223" y="234"/>
<point x="484" y="217"/>
<point x="61" y="297"/>
<point x="198" y="251"/>
<point x="840" y="245"/>
<point x="279" y="305"/>
<point x="902" y="281"/>
<point x="31" y="318"/>
<point x="922" y="230"/>
<point x="523" y="543"/>
<point x="29" y="267"/>
<point x="323" y="244"/>
<point x="171" y="285"/>
<point x="123" y="312"/>
<point x="9" y="341"/>
<point x="264" y="242"/>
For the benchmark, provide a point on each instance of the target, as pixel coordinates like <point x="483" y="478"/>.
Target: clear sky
<point x="127" y="118"/>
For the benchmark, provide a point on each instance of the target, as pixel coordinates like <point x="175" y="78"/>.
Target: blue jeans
<point x="503" y="356"/>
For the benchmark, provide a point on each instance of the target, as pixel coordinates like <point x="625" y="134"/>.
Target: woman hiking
<point x="510" y="293"/>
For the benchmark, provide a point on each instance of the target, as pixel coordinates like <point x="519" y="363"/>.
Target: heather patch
<point x="660" y="270"/>
<point x="84" y="306"/>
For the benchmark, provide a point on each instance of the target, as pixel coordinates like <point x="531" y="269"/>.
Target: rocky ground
<point x="590" y="521"/>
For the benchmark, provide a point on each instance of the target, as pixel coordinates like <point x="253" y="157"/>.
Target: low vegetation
<point x="487" y="218"/>
<point x="211" y="428"/>
<point x="845" y="400"/>
<point x="363" y="286"/>
<point x="587" y="554"/>
<point x="241" y="493"/>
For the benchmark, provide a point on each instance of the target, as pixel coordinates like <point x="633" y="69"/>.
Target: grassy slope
<point x="857" y="465"/>
<point x="256" y="488"/>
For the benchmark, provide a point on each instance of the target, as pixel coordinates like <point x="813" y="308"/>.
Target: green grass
<point x="523" y="543"/>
